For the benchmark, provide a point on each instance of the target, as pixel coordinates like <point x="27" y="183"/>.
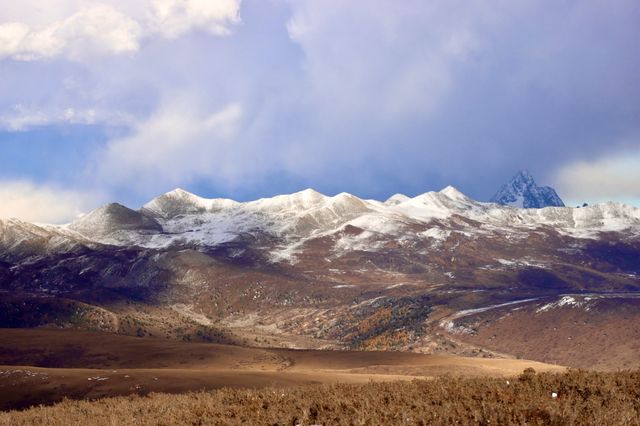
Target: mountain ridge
<point x="180" y="215"/>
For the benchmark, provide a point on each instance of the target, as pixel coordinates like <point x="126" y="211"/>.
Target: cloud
<point x="94" y="29"/>
<point x="398" y="61"/>
<point x="42" y="203"/>
<point x="174" y="146"/>
<point x="102" y="28"/>
<point x="22" y="118"/>
<point x="174" y="18"/>
<point x="609" y="178"/>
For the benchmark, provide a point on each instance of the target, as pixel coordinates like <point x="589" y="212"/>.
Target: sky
<point x="122" y="101"/>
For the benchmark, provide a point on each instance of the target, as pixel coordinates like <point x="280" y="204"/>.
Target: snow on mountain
<point x="14" y="232"/>
<point x="523" y="192"/>
<point x="296" y="202"/>
<point x="289" y="221"/>
<point x="113" y="218"/>
<point x="396" y="199"/>
<point x="587" y="222"/>
<point x="437" y="205"/>
<point x="25" y="239"/>
<point x="181" y="217"/>
<point x="180" y="202"/>
<point x="307" y="212"/>
<point x="454" y="194"/>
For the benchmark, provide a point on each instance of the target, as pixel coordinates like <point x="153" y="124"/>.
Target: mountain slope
<point x="111" y="219"/>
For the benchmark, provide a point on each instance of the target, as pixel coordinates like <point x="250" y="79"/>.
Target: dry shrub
<point x="587" y="398"/>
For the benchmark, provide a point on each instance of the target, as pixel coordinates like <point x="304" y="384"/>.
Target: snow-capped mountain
<point x="288" y="221"/>
<point x="284" y="224"/>
<point x="523" y="192"/>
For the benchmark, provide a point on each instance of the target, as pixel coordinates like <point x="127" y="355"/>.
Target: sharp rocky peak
<point x="523" y="192"/>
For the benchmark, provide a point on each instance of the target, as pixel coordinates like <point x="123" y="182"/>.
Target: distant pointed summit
<point x="523" y="192"/>
<point x="453" y="193"/>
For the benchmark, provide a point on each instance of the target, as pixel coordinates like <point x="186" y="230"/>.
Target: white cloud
<point x="21" y="118"/>
<point x="610" y="178"/>
<point x="109" y="27"/>
<point x="176" y="17"/>
<point x="177" y="144"/>
<point x="43" y="204"/>
<point x="94" y="29"/>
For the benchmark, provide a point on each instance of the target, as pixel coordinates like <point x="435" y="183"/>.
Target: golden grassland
<point x="588" y="398"/>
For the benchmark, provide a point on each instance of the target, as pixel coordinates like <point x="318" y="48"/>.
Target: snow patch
<point x="568" y="301"/>
<point x="437" y="234"/>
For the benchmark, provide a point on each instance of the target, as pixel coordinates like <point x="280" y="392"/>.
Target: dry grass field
<point x="583" y="398"/>
<point x="69" y="377"/>
<point x="44" y="366"/>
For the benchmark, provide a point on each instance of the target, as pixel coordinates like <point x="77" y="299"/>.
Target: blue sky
<point x="121" y="101"/>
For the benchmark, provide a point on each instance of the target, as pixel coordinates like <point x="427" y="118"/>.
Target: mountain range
<point x="439" y="272"/>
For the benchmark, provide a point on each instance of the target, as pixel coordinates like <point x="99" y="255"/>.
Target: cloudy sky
<point x="116" y="100"/>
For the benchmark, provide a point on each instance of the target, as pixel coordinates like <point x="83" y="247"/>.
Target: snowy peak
<point x="347" y="205"/>
<point x="296" y="202"/>
<point x="454" y="194"/>
<point x="396" y="199"/>
<point x="309" y="208"/>
<point x="523" y="192"/>
<point x="180" y="202"/>
<point x="175" y="203"/>
<point x="112" y="218"/>
<point x="437" y="205"/>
